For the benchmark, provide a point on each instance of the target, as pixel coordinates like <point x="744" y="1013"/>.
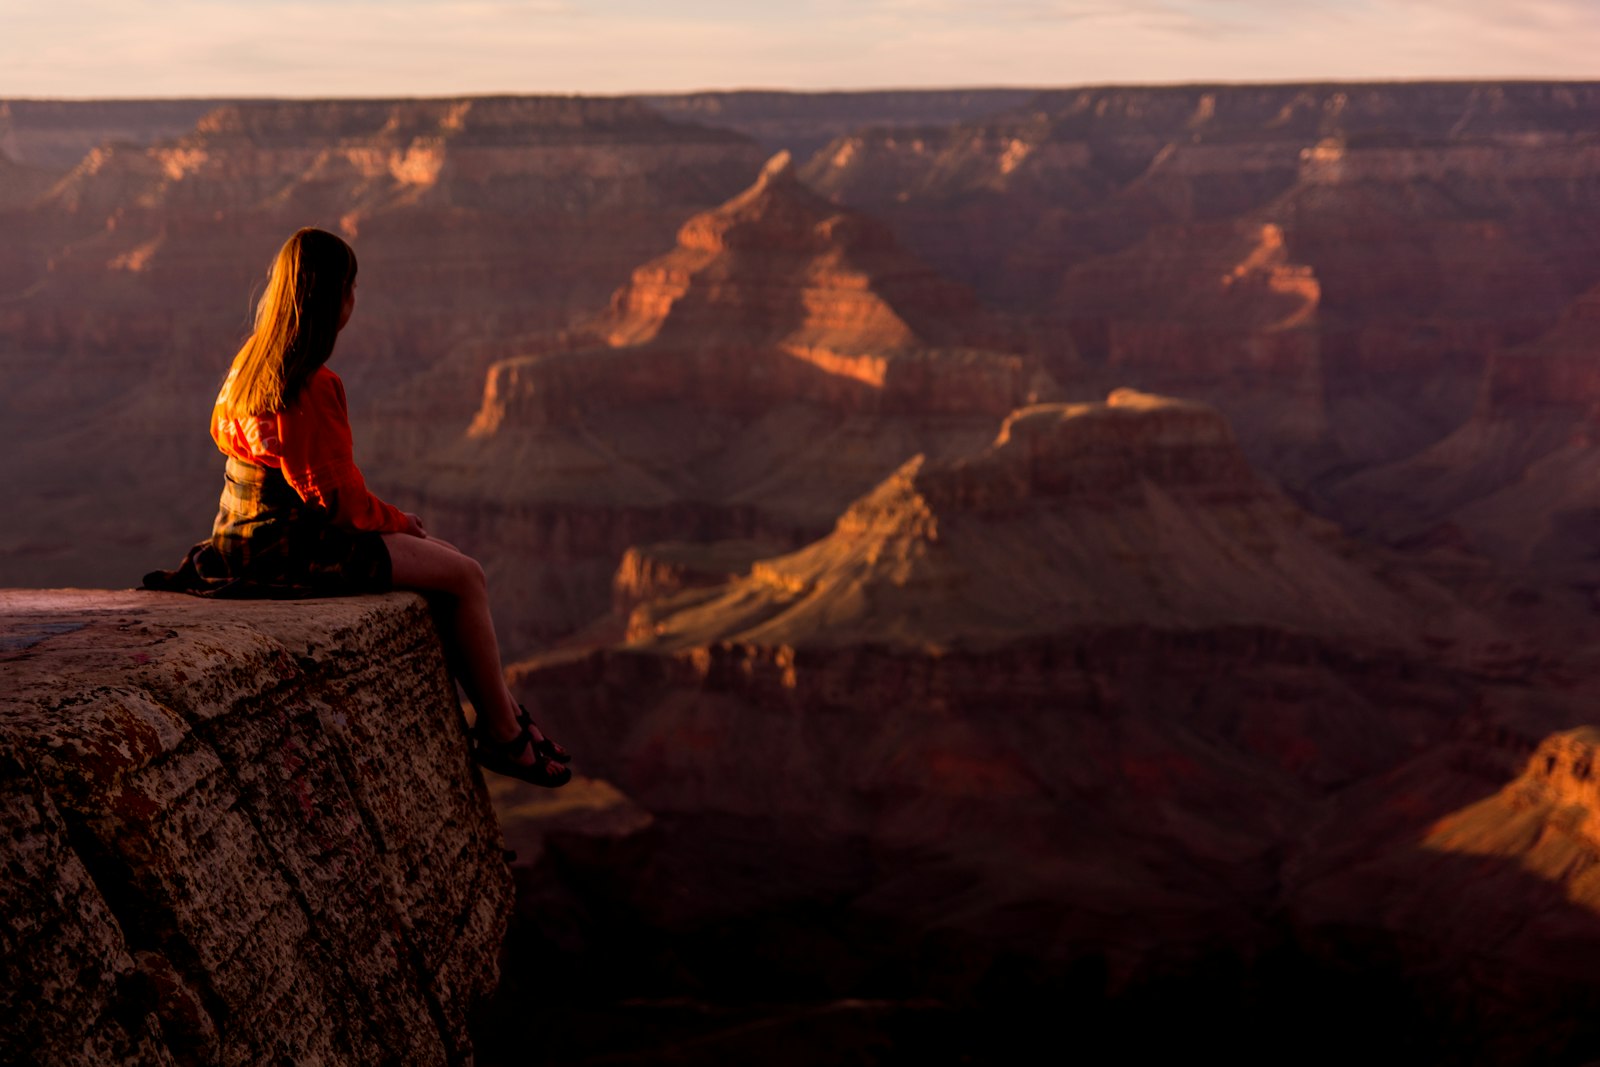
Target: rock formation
<point x="1136" y="512"/>
<point x="1098" y="698"/>
<point x="1481" y="852"/>
<point x="1076" y="708"/>
<point x="1024" y="666"/>
<point x="127" y="285"/>
<point x="239" y="833"/>
<point x="1515" y="481"/>
<point x="783" y="358"/>
<point x="530" y="207"/>
<point x="1217" y="311"/>
<point x="1438" y="223"/>
<point x="1333" y="266"/>
<point x="652" y="572"/>
<point x="801" y="123"/>
<point x="56" y="134"/>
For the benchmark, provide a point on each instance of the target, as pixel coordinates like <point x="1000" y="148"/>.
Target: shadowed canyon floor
<point x="942" y="693"/>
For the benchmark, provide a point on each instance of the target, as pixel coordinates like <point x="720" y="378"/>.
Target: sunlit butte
<point x="103" y="48"/>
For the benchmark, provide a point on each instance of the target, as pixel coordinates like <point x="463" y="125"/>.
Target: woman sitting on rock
<point x="297" y="520"/>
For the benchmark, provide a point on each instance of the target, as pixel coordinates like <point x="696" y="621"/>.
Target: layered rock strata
<point x="652" y="572"/>
<point x="1101" y="165"/>
<point x="241" y="833"/>
<point x="1435" y="224"/>
<point x="1087" y="685"/>
<point x="785" y="356"/>
<point x="126" y="286"/>
<point x="1099" y="699"/>
<point x="58" y="133"/>
<point x="1219" y="312"/>
<point x="1474" y="868"/>
<point x="1137" y="511"/>
<point x="801" y="123"/>
<point x="1516" y="481"/>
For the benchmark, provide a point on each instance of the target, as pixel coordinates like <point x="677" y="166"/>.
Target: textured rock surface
<point x="652" y="572"/>
<point x="785" y="356"/>
<point x="1138" y="511"/>
<point x="1476" y="867"/>
<point x="127" y="284"/>
<point x="1517" y="480"/>
<point x="801" y="123"/>
<point x="1087" y="685"/>
<point x="58" y="133"/>
<point x="1338" y="268"/>
<point x="1097" y="699"/>
<point x="1424" y="226"/>
<point x="1219" y="312"/>
<point x="239" y="833"/>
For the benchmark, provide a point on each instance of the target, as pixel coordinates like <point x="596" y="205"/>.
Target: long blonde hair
<point x="297" y="322"/>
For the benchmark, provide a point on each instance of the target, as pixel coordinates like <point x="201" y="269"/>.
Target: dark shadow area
<point x="677" y="946"/>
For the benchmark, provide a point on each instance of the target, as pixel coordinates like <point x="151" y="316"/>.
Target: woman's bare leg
<point x="431" y="566"/>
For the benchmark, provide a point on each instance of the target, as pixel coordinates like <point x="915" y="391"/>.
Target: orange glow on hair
<point x="297" y="322"/>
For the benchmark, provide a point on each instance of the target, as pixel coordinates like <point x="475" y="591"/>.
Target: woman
<point x="297" y="519"/>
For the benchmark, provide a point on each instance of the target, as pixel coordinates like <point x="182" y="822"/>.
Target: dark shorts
<point x="267" y="542"/>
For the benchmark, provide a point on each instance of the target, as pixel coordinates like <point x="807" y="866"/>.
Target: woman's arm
<point x="319" y="460"/>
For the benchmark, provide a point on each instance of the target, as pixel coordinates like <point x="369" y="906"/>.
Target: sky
<point x="300" y="48"/>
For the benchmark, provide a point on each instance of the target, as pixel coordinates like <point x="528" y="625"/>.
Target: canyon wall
<point x="1340" y="269"/>
<point x="1100" y="705"/>
<point x="941" y="667"/>
<point x="786" y="355"/>
<point x="239" y="833"/>
<point x="1413" y="231"/>
<point x="127" y="283"/>
<point x="56" y="134"/>
<point x="801" y="123"/>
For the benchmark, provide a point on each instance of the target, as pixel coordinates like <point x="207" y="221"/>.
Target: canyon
<point x="1003" y="556"/>
<point x="131" y="280"/>
<point x="1098" y="698"/>
<point x="743" y="386"/>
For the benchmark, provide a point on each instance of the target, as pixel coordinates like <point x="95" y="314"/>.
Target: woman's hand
<point x="414" y="527"/>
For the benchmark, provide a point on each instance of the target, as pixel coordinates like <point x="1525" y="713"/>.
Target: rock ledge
<point x="238" y="833"/>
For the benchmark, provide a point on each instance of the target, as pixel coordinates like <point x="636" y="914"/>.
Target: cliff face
<point x="1217" y="311"/>
<point x="1138" y="511"/>
<point x="58" y="133"/>
<point x="801" y="123"/>
<point x="1338" y="268"/>
<point x="1516" y="480"/>
<point x="241" y="833"/>
<point x="528" y="207"/>
<point x="128" y="281"/>
<point x="1097" y="697"/>
<point x="1417" y="228"/>
<point x="1097" y="673"/>
<point x="783" y="357"/>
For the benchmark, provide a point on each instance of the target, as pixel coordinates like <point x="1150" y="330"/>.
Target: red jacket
<point x="310" y="442"/>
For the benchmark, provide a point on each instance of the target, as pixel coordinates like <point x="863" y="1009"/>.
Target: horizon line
<point x="834" y="91"/>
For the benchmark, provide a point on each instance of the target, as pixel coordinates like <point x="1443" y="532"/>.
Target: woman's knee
<point x="464" y="577"/>
<point x="417" y="563"/>
<point x="473" y="578"/>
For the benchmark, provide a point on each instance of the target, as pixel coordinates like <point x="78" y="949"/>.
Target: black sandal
<point x="501" y="758"/>
<point x="544" y="746"/>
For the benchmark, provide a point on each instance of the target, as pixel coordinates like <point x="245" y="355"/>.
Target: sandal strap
<point x="502" y="758"/>
<point x="510" y="748"/>
<point x="546" y="746"/>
